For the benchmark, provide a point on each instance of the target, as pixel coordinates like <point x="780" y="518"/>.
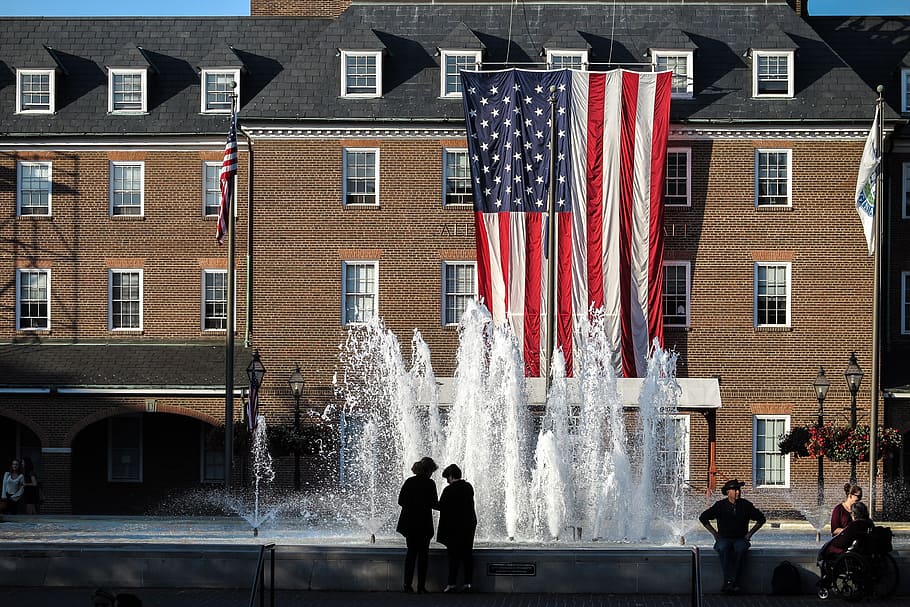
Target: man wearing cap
<point x="732" y="535"/>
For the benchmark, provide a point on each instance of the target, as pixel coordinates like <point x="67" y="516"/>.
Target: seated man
<point x="732" y="535"/>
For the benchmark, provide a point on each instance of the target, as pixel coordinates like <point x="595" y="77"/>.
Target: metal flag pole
<point x="229" y="328"/>
<point x="877" y="227"/>
<point x="551" y="247"/>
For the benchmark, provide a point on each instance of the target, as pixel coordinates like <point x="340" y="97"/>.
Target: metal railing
<point x="259" y="587"/>
<point x="696" y="578"/>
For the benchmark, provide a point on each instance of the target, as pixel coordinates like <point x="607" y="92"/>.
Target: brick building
<point x="112" y="314"/>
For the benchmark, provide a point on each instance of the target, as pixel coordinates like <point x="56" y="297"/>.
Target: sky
<point x="75" y="8"/>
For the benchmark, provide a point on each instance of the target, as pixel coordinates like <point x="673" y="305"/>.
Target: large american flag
<point x="228" y="171"/>
<point x="611" y="142"/>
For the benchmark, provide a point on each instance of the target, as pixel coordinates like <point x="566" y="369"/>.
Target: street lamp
<point x="255" y="371"/>
<point x="821" y="385"/>
<point x="854" y="376"/>
<point x="296" y="384"/>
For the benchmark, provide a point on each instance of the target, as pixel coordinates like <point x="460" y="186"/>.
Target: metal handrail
<point x="259" y="577"/>
<point x="696" y="577"/>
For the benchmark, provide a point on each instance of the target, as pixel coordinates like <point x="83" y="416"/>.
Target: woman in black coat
<point x="457" y="524"/>
<point x="417" y="500"/>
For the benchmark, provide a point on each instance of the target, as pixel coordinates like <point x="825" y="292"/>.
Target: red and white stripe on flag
<point x="228" y="172"/>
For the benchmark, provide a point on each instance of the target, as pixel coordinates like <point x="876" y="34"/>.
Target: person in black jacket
<point x="457" y="524"/>
<point x="417" y="500"/>
<point x="732" y="535"/>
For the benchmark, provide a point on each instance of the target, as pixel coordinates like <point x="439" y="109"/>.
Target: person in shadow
<point x="457" y="524"/>
<point x="841" y="515"/>
<point x="12" y="489"/>
<point x="31" y="497"/>
<point x="417" y="499"/>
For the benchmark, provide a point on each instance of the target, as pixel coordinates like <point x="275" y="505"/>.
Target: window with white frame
<point x="214" y="300"/>
<point x="772" y="73"/>
<point x="124" y="449"/>
<point x="573" y="60"/>
<point x="219" y="89"/>
<point x="33" y="192"/>
<point x="459" y="286"/>
<point x="905" y="303"/>
<point x="33" y="300"/>
<point x="772" y="178"/>
<point x="125" y="300"/>
<point x="127" y="185"/>
<point x="361" y="73"/>
<point x="772" y="294"/>
<point x="456" y="180"/>
<point x="211" y="188"/>
<point x="672" y="449"/>
<point x="211" y="458"/>
<point x="127" y="91"/>
<point x="905" y="90"/>
<point x="681" y="64"/>
<point x="361" y="176"/>
<point x="453" y="62"/>
<point x="360" y="291"/>
<point x="770" y="467"/>
<point x="35" y="91"/>
<point x="677" y="177"/>
<point x="676" y="293"/>
<point x="905" y="191"/>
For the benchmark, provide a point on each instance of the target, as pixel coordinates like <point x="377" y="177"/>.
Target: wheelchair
<point x="860" y="571"/>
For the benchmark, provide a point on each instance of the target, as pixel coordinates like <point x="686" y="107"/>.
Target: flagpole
<point x="229" y="333"/>
<point x="551" y="247"/>
<point x="878" y="225"/>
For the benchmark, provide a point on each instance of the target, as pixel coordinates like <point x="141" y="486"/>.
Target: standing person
<point x="12" y="489"/>
<point x="841" y="515"/>
<point x="732" y="535"/>
<point x="417" y="499"/>
<point x="457" y="524"/>
<point x="30" y="498"/>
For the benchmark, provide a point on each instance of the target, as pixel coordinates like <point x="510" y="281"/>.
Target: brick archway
<point x="134" y="408"/>
<point x="28" y="423"/>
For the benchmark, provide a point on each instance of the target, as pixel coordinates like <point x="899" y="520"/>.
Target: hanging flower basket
<point x="837" y="443"/>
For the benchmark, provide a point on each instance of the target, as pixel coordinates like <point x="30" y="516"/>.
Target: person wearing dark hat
<point x="417" y="499"/>
<point x="457" y="524"/>
<point x="732" y="535"/>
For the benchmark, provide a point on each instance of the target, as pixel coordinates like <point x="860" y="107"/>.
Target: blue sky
<point x="67" y="8"/>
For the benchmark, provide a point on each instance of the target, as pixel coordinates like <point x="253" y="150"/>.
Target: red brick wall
<point x="298" y="8"/>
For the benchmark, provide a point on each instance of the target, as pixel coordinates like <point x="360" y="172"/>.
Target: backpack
<point x="786" y="579"/>
<point x="880" y="539"/>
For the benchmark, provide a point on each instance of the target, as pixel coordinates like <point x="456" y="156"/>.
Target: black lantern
<point x="295" y="381"/>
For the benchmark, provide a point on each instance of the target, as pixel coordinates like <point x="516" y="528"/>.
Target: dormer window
<point x="772" y="73"/>
<point x="127" y="91"/>
<point x="573" y="60"/>
<point x="905" y="90"/>
<point x="452" y="62"/>
<point x="35" y="92"/>
<point x="361" y="73"/>
<point x="219" y="89"/>
<point x="681" y="64"/>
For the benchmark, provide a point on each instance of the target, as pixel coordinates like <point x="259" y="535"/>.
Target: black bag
<point x="786" y="579"/>
<point x="880" y="539"/>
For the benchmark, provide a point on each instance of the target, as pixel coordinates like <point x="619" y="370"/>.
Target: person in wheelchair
<point x="854" y="537"/>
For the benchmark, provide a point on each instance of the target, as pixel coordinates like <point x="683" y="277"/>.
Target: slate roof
<point x="292" y="72"/>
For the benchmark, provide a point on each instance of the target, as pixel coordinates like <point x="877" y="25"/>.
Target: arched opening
<point x="18" y="441"/>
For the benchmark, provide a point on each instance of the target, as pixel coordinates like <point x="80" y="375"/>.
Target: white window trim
<point x="688" y="153"/>
<point x="442" y="287"/>
<point x="688" y="266"/>
<point x="235" y="76"/>
<point x="551" y="53"/>
<point x="110" y="447"/>
<point x="443" y="54"/>
<point x="19" y="273"/>
<point x="344" y="288"/>
<point x="216" y="164"/>
<point x="344" y="177"/>
<point x="110" y="90"/>
<point x="344" y="74"/>
<point x="445" y="179"/>
<point x="52" y="102"/>
<point x="110" y="300"/>
<point x="905" y="191"/>
<point x="905" y="299"/>
<point x="206" y="271"/>
<point x="141" y="165"/>
<point x="690" y="67"/>
<point x="50" y="189"/>
<point x="755" y="419"/>
<point x="755" y="172"/>
<point x="905" y="90"/>
<point x="789" y="266"/>
<point x="790" y="55"/>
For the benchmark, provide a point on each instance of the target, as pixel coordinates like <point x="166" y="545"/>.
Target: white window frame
<point x="457" y="296"/>
<point x="787" y="266"/>
<point x="469" y="201"/>
<point x="52" y="100"/>
<point x="113" y="73"/>
<point x="757" y="81"/>
<point x="215" y="167"/>
<point x="682" y="421"/>
<point x="758" y="177"/>
<point x="233" y="74"/>
<point x="20" y="181"/>
<point x="114" y="164"/>
<point x="905" y="90"/>
<point x="688" y="274"/>
<point x="377" y="89"/>
<point x="554" y="55"/>
<point x="688" y="177"/>
<point x="204" y="300"/>
<point x="444" y="55"/>
<point x="346" y="152"/>
<point x="773" y="452"/>
<point x="905" y="303"/>
<point x="138" y="449"/>
<point x="905" y="191"/>
<point x="47" y="300"/>
<point x="374" y="294"/>
<point x="688" y="91"/>
<point x="110" y="299"/>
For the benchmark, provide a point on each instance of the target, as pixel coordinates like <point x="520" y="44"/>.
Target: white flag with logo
<point x="866" y="184"/>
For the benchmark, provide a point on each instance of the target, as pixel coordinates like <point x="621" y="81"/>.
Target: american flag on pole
<point x="611" y="142"/>
<point x="228" y="172"/>
<point x="252" y="408"/>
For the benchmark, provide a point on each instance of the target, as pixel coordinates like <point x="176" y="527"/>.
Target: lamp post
<point x="296" y="384"/>
<point x="255" y="371"/>
<point x="854" y="376"/>
<point x="821" y="385"/>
